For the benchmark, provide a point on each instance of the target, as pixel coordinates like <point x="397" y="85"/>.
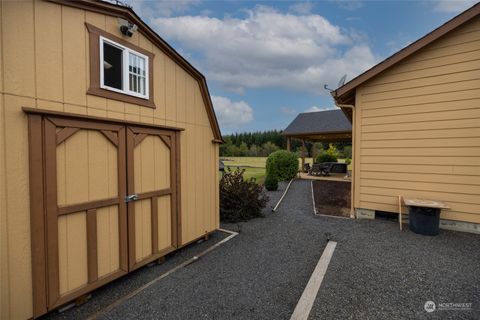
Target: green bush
<point x="347" y="151"/>
<point x="282" y="164"/>
<point x="331" y="155"/>
<point x="240" y="200"/>
<point x="348" y="161"/>
<point x="325" y="157"/>
<point x="271" y="183"/>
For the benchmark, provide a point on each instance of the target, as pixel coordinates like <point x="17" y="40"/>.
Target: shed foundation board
<point x="460" y="226"/>
<point x="365" y="214"/>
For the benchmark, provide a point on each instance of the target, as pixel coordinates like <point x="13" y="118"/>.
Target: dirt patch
<point x="332" y="197"/>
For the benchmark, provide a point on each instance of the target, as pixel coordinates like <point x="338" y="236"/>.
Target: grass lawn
<point x="254" y="166"/>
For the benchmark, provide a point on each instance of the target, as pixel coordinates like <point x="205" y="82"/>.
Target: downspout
<point x="352" y="184"/>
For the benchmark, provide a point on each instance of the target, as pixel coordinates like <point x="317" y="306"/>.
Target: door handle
<point x="130" y="198"/>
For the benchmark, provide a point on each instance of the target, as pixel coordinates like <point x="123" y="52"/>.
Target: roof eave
<point x="298" y="134"/>
<point x="460" y="19"/>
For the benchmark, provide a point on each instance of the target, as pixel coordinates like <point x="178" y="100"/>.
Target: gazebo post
<point x="288" y="144"/>
<point x="314" y="153"/>
<point x="303" y="154"/>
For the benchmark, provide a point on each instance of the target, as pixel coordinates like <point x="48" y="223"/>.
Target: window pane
<point x="142" y="85"/>
<point x="112" y="66"/>
<point x="134" y="87"/>
<point x="137" y="72"/>
<point x="142" y="67"/>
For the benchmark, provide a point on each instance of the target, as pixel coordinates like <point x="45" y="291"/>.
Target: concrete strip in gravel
<point x="380" y="272"/>
<point x="283" y="195"/>
<point x="304" y="305"/>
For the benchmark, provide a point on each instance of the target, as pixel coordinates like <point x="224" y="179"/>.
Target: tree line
<point x="262" y="143"/>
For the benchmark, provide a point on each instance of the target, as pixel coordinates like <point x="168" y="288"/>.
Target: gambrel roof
<point x="130" y="15"/>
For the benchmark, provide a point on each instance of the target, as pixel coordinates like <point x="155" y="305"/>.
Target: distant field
<point x="258" y="162"/>
<point x="254" y="166"/>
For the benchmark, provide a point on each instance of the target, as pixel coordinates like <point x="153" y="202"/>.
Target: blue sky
<point x="267" y="61"/>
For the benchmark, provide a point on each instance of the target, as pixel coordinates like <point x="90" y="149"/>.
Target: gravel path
<point x="260" y="274"/>
<point x="377" y="272"/>
<point x="108" y="294"/>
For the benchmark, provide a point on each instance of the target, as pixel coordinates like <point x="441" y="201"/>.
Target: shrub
<point x="331" y="155"/>
<point x="325" y="157"/>
<point x="271" y="183"/>
<point x="347" y="151"/>
<point x="282" y="164"/>
<point x="348" y="161"/>
<point x="240" y="200"/>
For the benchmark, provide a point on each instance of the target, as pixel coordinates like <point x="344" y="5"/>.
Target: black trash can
<point x="424" y="220"/>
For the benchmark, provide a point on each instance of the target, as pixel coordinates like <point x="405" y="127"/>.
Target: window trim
<point x="125" y="71"/>
<point x="96" y="63"/>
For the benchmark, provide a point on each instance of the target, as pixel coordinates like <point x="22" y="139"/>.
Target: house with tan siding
<point x="416" y="125"/>
<point x="108" y="151"/>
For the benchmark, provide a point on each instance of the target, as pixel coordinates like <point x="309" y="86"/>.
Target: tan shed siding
<point x="4" y="263"/>
<point x="52" y="72"/>
<point x="418" y="131"/>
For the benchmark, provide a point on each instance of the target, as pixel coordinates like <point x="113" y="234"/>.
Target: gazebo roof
<point x="330" y="125"/>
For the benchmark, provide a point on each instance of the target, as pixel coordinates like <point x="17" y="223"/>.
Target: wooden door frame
<point x="38" y="196"/>
<point x="116" y="135"/>
<point x="135" y="136"/>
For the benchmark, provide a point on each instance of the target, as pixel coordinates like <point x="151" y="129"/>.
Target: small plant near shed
<point x="240" y="200"/>
<point x="271" y="183"/>
<point x="282" y="164"/>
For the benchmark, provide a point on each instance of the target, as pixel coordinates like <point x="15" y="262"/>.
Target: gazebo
<point x="321" y="126"/>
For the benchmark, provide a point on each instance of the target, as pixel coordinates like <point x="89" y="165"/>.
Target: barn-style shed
<point x="108" y="151"/>
<point x="416" y="125"/>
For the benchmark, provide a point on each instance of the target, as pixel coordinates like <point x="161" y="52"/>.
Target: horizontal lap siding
<point x="418" y="129"/>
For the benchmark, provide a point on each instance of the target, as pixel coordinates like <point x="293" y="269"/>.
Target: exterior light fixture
<point x="127" y="28"/>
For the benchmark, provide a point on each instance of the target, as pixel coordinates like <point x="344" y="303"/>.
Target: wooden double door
<point x="109" y="203"/>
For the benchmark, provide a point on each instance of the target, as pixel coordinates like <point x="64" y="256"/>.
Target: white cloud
<point x="302" y="7"/>
<point x="288" y="111"/>
<point x="316" y="109"/>
<point x="270" y="49"/>
<point x="349" y="5"/>
<point x="453" y="6"/>
<point x="231" y="114"/>
<point x="165" y="8"/>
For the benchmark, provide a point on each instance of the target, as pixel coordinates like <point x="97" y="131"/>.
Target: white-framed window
<point x="123" y="70"/>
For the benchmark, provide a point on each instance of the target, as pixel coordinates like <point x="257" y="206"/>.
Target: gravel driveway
<point x="377" y="272"/>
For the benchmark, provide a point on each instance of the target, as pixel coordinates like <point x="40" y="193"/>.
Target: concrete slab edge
<point x="163" y="275"/>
